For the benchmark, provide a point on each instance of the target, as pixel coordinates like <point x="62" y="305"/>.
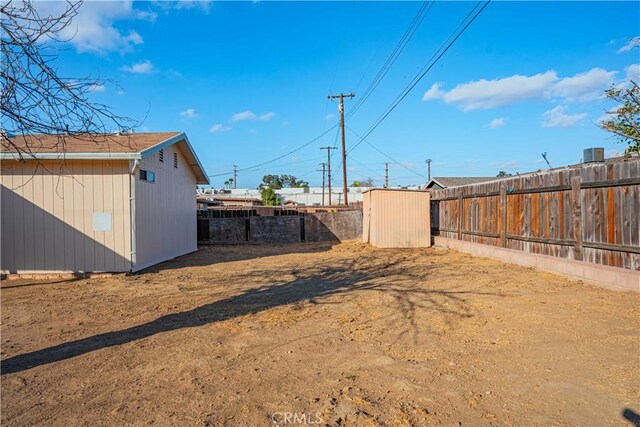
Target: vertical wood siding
<point x="165" y="210"/>
<point x="396" y="219"/>
<point x="542" y="221"/>
<point x="47" y="216"/>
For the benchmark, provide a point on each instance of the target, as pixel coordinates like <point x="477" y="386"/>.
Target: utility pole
<point x="323" y="175"/>
<point x="428" y="161"/>
<point x="329" y="168"/>
<point x="341" y="97"/>
<point x="235" y="176"/>
<point x="386" y="175"/>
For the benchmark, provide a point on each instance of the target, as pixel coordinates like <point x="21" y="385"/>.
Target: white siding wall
<point x="165" y="210"/>
<point x="47" y="216"/>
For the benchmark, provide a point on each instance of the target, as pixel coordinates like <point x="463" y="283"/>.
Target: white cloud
<point x="146" y="15"/>
<point x="93" y="29"/>
<point x="267" y="116"/>
<point x="250" y="115"/>
<point x="610" y="114"/>
<point x="143" y="67"/>
<point x="166" y="5"/>
<point x="632" y="43"/>
<point x="486" y="94"/>
<point x="433" y="93"/>
<point x="496" y="123"/>
<point x="556" y="117"/>
<point x="97" y="88"/>
<point x="584" y="86"/>
<point x="245" y="115"/>
<point x="632" y="72"/>
<point x="219" y="127"/>
<point x="189" y="113"/>
<point x="329" y="116"/>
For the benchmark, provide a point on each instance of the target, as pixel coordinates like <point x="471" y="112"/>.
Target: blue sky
<point x="248" y="81"/>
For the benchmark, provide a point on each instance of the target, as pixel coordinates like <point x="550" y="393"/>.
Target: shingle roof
<point x="84" y="143"/>
<point x="126" y="146"/>
<point x="457" y="181"/>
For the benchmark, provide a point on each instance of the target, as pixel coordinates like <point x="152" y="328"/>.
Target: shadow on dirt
<point x="316" y="287"/>
<point x="220" y="253"/>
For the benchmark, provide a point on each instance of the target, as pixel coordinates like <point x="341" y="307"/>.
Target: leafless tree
<point x="35" y="100"/>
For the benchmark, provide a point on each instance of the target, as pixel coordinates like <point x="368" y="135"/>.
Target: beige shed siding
<point x="47" y="216"/>
<point x="397" y="219"/>
<point x="366" y="217"/>
<point x="165" y="210"/>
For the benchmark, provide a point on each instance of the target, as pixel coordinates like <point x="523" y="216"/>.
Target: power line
<point x="402" y="43"/>
<point x="364" y="166"/>
<point x="385" y="154"/>
<point x="279" y="157"/>
<point x="426" y="68"/>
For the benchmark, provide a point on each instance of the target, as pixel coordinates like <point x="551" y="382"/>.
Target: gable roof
<point x="452" y="181"/>
<point x="116" y="146"/>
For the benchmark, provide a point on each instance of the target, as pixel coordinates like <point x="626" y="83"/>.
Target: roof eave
<point x="201" y="175"/>
<point x="69" y="156"/>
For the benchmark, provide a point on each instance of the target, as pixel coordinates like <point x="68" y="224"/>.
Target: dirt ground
<point x="320" y="334"/>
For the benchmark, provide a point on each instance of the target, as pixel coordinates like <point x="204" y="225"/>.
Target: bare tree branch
<point x="35" y="100"/>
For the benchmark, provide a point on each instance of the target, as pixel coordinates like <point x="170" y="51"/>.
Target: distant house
<point x="439" y="183"/>
<point x="232" y="200"/>
<point x="100" y="203"/>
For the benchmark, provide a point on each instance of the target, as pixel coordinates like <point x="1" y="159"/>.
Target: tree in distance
<point x="624" y="121"/>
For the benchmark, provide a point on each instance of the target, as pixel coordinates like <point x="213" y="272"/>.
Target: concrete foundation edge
<point x="613" y="278"/>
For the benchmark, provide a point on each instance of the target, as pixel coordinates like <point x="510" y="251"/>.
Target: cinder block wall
<point x="310" y="227"/>
<point x="333" y="226"/>
<point x="275" y="229"/>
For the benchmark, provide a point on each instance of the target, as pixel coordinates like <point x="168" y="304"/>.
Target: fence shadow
<point x="341" y="279"/>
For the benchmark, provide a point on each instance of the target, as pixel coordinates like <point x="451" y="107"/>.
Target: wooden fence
<point x="587" y="212"/>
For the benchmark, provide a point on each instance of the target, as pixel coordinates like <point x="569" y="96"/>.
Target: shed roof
<point x="123" y="146"/>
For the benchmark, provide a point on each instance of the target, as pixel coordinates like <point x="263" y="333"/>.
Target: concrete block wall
<point x="333" y="226"/>
<point x="310" y="227"/>
<point x="228" y="230"/>
<point x="275" y="229"/>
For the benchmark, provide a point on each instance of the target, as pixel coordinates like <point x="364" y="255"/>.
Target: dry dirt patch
<point x="345" y="334"/>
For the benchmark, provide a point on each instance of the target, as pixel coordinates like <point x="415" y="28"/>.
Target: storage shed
<point x="97" y="203"/>
<point x="396" y="218"/>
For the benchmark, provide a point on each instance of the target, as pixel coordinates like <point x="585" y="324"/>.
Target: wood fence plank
<point x="577" y="217"/>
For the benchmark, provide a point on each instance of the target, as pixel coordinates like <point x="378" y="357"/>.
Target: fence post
<point x="503" y="204"/>
<point x="460" y="214"/>
<point x="577" y="217"/>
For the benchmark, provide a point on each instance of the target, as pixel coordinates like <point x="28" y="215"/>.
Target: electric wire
<point x="279" y="157"/>
<point x="425" y="69"/>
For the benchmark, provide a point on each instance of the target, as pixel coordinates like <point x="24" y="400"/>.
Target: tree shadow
<point x="338" y="280"/>
<point x="631" y="416"/>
